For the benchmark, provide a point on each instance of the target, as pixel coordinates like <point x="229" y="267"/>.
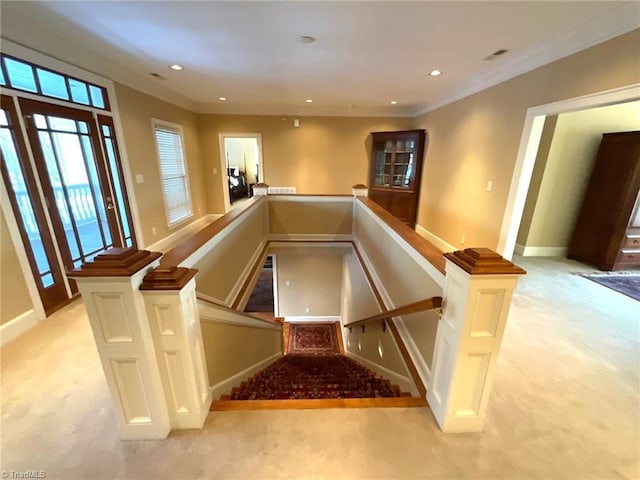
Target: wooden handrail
<point x="421" y="306"/>
<point x="238" y="312"/>
<point x="190" y="245"/>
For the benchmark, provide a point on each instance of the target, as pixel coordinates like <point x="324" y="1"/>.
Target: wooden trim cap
<point x="116" y="262"/>
<point x="167" y="278"/>
<point x="483" y="261"/>
<point x="359" y="186"/>
<point x="261" y="185"/>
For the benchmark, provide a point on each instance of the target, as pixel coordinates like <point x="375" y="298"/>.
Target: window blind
<point x="175" y="184"/>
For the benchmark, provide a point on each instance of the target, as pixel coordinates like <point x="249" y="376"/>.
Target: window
<point x="173" y="171"/>
<point x="28" y="77"/>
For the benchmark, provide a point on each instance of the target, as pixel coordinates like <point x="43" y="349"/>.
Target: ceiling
<point x="366" y="54"/>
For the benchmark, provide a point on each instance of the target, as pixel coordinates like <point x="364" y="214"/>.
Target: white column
<point x="110" y="290"/>
<point x="477" y="295"/>
<point x="170" y="298"/>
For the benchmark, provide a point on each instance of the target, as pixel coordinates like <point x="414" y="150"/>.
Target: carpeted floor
<point x="314" y="377"/>
<point x="627" y="284"/>
<point x="313" y="339"/>
<point x="261" y="299"/>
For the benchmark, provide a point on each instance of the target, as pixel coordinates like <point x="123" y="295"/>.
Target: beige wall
<point x="14" y="296"/>
<point x="315" y="282"/>
<point x="136" y="111"/>
<point x="403" y="279"/>
<point x="358" y="302"/>
<point x="325" y="155"/>
<point x="224" y="263"/>
<point x="568" y="169"/>
<point x="476" y="139"/>
<point x="310" y="217"/>
<point x="230" y="349"/>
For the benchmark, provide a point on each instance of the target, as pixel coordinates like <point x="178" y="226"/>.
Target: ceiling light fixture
<point x="435" y="73"/>
<point x="393" y="102"/>
<point x="176" y="67"/>
<point x="308" y="100"/>
<point x="306" y="39"/>
<point x="222" y="99"/>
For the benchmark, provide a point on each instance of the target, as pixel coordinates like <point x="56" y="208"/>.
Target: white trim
<point x="176" y="128"/>
<point x="422" y="262"/>
<point x="405" y="383"/>
<point x="528" y="148"/>
<point x="307" y="244"/>
<point x="615" y="22"/>
<point x="224" y="177"/>
<point x="209" y="314"/>
<point x="17" y="326"/>
<point x="210" y="298"/>
<point x="21" y="253"/>
<point x="301" y="237"/>
<point x="313" y="319"/>
<point x="541" y="251"/>
<point x="311" y="198"/>
<point x="434" y="239"/>
<point x="170" y="240"/>
<point x="274" y="270"/>
<point x="224" y="387"/>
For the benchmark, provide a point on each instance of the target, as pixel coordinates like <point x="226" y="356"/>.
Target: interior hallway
<point x="565" y="404"/>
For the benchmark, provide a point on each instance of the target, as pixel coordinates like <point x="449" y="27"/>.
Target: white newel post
<point x="359" y="190"/>
<point x="477" y="295"/>
<point x="261" y="189"/>
<point x="170" y="297"/>
<point x="110" y="290"/>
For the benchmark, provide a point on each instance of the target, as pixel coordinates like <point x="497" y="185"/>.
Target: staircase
<point x="315" y="381"/>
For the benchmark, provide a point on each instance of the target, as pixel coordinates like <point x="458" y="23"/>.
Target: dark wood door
<point x="29" y="212"/>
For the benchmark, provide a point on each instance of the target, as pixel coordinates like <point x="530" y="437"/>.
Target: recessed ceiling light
<point x="306" y="39"/>
<point x="176" y="67"/>
<point x="393" y="102"/>
<point x="308" y="100"/>
<point x="435" y="73"/>
<point x="222" y="99"/>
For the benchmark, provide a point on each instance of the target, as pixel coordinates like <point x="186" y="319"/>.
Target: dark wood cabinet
<point x="395" y="172"/>
<point x="607" y="233"/>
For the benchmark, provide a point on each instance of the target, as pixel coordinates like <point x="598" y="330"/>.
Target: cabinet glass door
<point x="383" y="163"/>
<point x="403" y="164"/>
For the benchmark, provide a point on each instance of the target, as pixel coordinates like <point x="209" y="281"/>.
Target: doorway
<point x="241" y="165"/>
<point x="527" y="153"/>
<point x="70" y="203"/>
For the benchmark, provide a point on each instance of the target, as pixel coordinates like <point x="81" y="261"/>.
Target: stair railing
<point x="433" y="303"/>
<point x="279" y="321"/>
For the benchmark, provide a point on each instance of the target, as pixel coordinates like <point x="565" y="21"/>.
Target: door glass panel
<point x="383" y="152"/>
<point x="18" y="185"/>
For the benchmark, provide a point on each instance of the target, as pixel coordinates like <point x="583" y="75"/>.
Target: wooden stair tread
<point x="389" y="402"/>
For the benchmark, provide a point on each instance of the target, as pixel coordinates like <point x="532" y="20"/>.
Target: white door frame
<point x="528" y="150"/>
<point x="223" y="162"/>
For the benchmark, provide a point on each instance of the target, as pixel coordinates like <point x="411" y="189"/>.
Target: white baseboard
<point x="311" y="319"/>
<point x="436" y="240"/>
<point x="170" y="240"/>
<point x="17" y="326"/>
<point x="303" y="237"/>
<point x="541" y="251"/>
<point x="405" y="383"/>
<point x="224" y="387"/>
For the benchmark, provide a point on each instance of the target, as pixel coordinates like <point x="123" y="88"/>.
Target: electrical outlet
<point x="153" y="230"/>
<point x="306" y="310"/>
<point x="287" y="283"/>
<point x="463" y="238"/>
<point x="489" y="185"/>
<point x="139" y="178"/>
<point x="215" y="171"/>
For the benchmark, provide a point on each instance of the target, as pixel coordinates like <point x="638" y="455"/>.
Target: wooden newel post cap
<point x="483" y="261"/>
<point x="359" y="186"/>
<point x="167" y="278"/>
<point x="116" y="262"/>
<point x="261" y="185"/>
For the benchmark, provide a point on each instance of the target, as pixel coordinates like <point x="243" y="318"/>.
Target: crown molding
<point x="597" y="30"/>
<point x="303" y="111"/>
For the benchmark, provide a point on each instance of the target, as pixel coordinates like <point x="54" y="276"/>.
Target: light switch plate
<point x="139" y="178"/>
